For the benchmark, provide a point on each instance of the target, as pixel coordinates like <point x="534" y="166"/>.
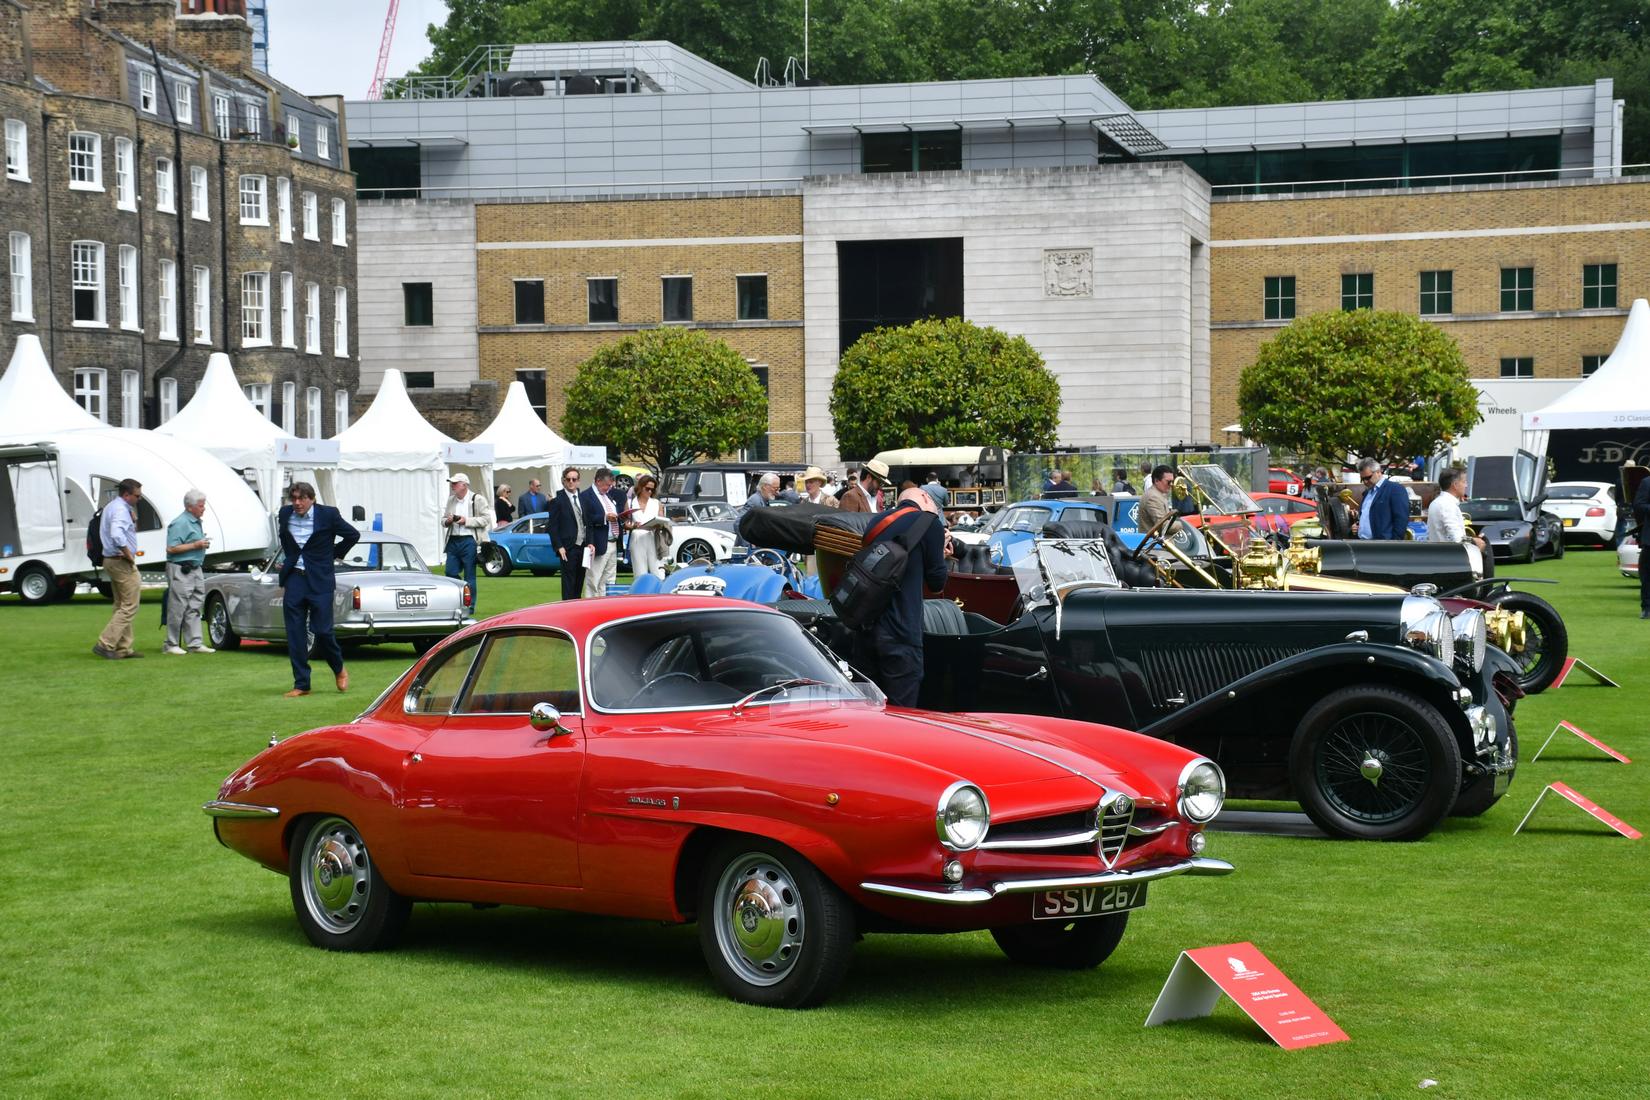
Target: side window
<point x="519" y="670"/>
<point x="538" y="526"/>
<point x="710" y="485"/>
<point x="435" y="690"/>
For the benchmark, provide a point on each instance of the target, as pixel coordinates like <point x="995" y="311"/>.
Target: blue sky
<point x="328" y="47"/>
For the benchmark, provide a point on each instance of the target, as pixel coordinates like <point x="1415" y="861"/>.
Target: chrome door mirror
<point x="265" y="578"/>
<point x="546" y="719"/>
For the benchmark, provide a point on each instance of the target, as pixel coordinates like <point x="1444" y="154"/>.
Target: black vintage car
<point x="1380" y="714"/>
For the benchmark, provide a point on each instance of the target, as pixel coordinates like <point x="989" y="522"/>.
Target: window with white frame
<point x="312" y="412"/>
<point x="287" y="339"/>
<point x="340" y="410"/>
<point x="312" y="318"/>
<point x="91" y="391"/>
<point x="203" y="305"/>
<point x="22" y="278"/>
<point x="126" y="277"/>
<point x="338" y="227"/>
<point x="255" y="309"/>
<point x="254" y="119"/>
<point x="146" y="92"/>
<point x="199" y="198"/>
<point x="125" y="175"/>
<point x="183" y="97"/>
<point x="323" y="141"/>
<point x="340" y="322"/>
<point x="17" y="150"/>
<point x="283" y="206"/>
<point x="312" y="217"/>
<point x="258" y="394"/>
<point x="86" y="276"/>
<point x="289" y="408"/>
<point x="168" y="399"/>
<point x="164" y="198"/>
<point x="166" y="300"/>
<point x="85" y="162"/>
<point x="220" y="114"/>
<point x="131" y="399"/>
<point x="295" y="131"/>
<point x="254" y="200"/>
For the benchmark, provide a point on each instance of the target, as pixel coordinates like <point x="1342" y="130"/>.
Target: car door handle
<point x="415" y="758"/>
<point x="1040" y="674"/>
<point x="1177" y="700"/>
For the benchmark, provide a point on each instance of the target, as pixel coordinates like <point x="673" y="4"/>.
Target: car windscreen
<point x="1046" y="567"/>
<point x="1025" y="519"/>
<point x="1226" y="494"/>
<point x="703" y="660"/>
<point x="1492" y="509"/>
<point x="387" y="557"/>
<point x="1572" y="492"/>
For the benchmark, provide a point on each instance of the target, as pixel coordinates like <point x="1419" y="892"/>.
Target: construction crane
<point x="376" y="91"/>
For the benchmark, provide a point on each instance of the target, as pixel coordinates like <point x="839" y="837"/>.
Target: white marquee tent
<point x="523" y="445"/>
<point x="1617" y="395"/>
<point x="221" y="421"/>
<point x="394" y="464"/>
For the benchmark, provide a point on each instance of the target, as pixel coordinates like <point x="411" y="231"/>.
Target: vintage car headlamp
<point x="1426" y="627"/>
<point x="963" y="817"/>
<point x="1202" y="791"/>
<point x="1471" y="636"/>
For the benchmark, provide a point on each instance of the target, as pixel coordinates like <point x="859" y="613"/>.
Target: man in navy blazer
<point x="313" y="536"/>
<point x="604" y="544"/>
<point x="567" y="533"/>
<point x="1384" y="510"/>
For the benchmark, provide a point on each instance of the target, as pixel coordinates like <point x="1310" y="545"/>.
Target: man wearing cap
<point x="865" y="495"/>
<point x="813" y="486"/>
<point x="466" y="520"/>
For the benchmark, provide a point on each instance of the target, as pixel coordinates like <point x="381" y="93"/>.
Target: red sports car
<point x="678" y="758"/>
<point x="1280" y="480"/>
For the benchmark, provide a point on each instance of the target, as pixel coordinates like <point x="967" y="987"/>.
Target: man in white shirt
<point x="466" y="521"/>
<point x="1444" y="520"/>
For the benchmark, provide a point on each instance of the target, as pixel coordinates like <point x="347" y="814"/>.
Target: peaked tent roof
<point x="1617" y="395"/>
<point x="220" y="420"/>
<point x="520" y="437"/>
<point x="392" y="434"/>
<point x="32" y="404"/>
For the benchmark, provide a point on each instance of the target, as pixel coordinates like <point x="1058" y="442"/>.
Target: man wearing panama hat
<point x="866" y="493"/>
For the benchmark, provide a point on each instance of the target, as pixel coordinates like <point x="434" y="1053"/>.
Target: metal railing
<point x="472" y="76"/>
<point x="1451" y="179"/>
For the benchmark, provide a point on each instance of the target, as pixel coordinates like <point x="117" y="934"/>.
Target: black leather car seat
<point x="943" y="617"/>
<point x="1135" y="574"/>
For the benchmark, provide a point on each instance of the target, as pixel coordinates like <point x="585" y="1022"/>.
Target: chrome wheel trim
<point x="337" y="876"/>
<point x="760" y="923"/>
<point x="34" y="586"/>
<point x="217" y="623"/>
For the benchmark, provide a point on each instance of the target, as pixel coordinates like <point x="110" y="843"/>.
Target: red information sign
<point x="1241" y="972"/>
<point x="1585" y="736"/>
<point x="1573" y="663"/>
<point x="1575" y="797"/>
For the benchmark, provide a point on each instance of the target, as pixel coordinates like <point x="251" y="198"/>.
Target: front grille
<point x="1115" y="818"/>
<point x="1103" y="829"/>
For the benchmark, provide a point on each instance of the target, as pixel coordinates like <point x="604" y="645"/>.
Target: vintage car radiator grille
<point x="1184" y="674"/>
<point x="1105" y="831"/>
<point x="1114" y="830"/>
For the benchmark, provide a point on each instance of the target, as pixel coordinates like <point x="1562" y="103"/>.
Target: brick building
<point x="163" y="200"/>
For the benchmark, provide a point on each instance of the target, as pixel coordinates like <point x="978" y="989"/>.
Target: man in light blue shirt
<point x="186" y="544"/>
<point x="118" y="530"/>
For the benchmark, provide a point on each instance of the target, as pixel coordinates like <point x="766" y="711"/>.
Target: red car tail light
<point x="355" y="599"/>
<point x="1595" y="511"/>
<point x="467" y="596"/>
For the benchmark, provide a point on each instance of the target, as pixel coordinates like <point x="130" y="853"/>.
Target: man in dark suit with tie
<point x="313" y="536"/>
<point x="602" y="506"/>
<point x="567" y="533"/>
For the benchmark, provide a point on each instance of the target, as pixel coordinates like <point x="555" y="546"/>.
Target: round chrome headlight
<point x="1471" y="634"/>
<point x="1202" y="791"/>
<point x="963" y="817"/>
<point x="1432" y="633"/>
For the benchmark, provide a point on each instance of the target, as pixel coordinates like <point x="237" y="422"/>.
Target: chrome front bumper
<point x="962" y="895"/>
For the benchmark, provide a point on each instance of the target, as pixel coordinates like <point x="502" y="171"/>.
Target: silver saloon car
<point x="385" y="593"/>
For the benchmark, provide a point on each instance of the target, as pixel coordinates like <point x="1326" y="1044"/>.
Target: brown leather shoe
<point x="342" y="679"/>
<point x="295" y="692"/>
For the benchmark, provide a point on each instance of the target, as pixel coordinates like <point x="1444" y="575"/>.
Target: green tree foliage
<point x="1386" y="385"/>
<point x="666" y="396"/>
<point x="943" y="383"/>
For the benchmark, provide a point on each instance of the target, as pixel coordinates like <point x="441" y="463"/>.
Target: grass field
<point x="139" y="958"/>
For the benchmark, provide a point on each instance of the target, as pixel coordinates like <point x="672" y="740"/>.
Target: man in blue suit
<point x="567" y="534"/>
<point x="313" y="536"/>
<point x="1384" y="511"/>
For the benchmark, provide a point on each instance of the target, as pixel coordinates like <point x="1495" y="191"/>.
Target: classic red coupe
<point x="678" y="758"/>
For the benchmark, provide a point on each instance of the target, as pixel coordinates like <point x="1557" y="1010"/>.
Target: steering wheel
<point x="771" y="558"/>
<point x="666" y="678"/>
<point x="1154" y="536"/>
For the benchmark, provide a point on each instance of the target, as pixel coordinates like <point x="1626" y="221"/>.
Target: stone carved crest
<point x="1068" y="273"/>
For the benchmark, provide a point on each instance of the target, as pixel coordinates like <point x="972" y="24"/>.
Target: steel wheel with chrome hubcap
<point x="342" y="902"/>
<point x="773" y="930"/>
<point x="218" y="629"/>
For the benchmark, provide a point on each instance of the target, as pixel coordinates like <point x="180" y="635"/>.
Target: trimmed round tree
<point x="943" y="383"/>
<point x="666" y="396"/>
<point x="1358" y="382"/>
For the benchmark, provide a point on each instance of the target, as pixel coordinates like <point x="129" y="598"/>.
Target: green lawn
<point x="137" y="957"/>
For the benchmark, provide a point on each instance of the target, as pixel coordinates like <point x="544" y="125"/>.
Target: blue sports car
<point x="525" y="544"/>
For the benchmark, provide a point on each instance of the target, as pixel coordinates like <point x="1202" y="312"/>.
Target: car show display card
<point x="1254" y="982"/>
<point x="1576" y="798"/>
<point x="1614" y="754"/>
<point x="1573" y="663"/>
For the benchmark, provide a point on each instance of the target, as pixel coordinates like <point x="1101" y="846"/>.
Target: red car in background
<point x="1282" y="481"/>
<point x="679" y="758"/>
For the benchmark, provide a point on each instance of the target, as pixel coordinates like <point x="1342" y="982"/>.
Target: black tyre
<point x="65" y="590"/>
<point x="1371" y="762"/>
<point x="34" y="584"/>
<point x="695" y="548"/>
<point x="774" y="931"/>
<point x="497" y="563"/>
<point x="218" y="631"/>
<point x="1075" y="945"/>
<point x="1479" y="795"/>
<point x="1546" y="641"/>
<point x="104" y="589"/>
<point x="342" y="902"/>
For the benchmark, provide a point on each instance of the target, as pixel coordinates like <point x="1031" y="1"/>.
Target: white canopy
<point x="524" y="447"/>
<point x="394" y="464"/>
<point x="1617" y="395"/>
<point x="221" y="421"/>
<point x="32" y="405"/>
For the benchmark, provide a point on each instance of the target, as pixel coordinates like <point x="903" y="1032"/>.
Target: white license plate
<point x="1087" y="901"/>
<point x="412" y="599"/>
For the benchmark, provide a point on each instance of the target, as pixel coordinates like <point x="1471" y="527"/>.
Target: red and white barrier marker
<point x="1573" y="663"/>
<point x="1242" y="973"/>
<point x="1575" y="797"/>
<point x="1614" y="754"/>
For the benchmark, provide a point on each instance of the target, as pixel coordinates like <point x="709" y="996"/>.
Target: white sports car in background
<point x="1627" y="557"/>
<point x="1588" y="509"/>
